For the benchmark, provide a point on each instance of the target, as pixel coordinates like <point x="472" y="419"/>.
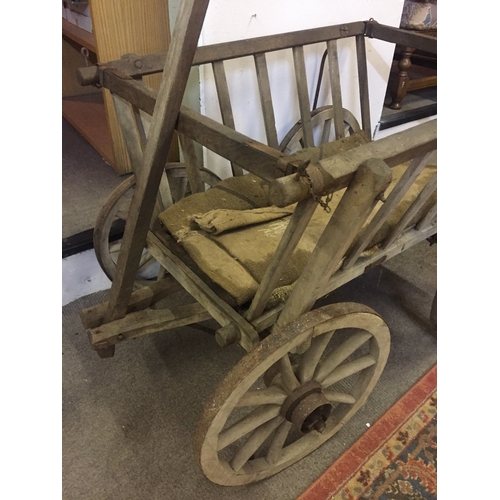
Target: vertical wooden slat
<point x="177" y="67"/>
<point x="363" y="84"/>
<point x="303" y="93"/>
<point x="192" y="165"/>
<point x="225" y="103"/>
<point x="419" y="202"/>
<point x="131" y="126"/>
<point x="407" y="179"/>
<point x="333" y="68"/>
<point x="143" y="121"/>
<point x="266" y="100"/>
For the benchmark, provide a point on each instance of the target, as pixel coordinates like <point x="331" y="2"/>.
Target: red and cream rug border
<point x="370" y="450"/>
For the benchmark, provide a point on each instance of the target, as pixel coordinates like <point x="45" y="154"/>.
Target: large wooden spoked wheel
<point x="275" y="407"/>
<point x="116" y="208"/>
<point x="323" y="129"/>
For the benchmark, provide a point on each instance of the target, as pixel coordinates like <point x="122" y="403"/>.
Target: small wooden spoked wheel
<point x="275" y="407"/>
<point x="116" y="208"/>
<point x="323" y="129"/>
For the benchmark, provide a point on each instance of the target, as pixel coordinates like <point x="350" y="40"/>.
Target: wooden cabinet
<point x="125" y="27"/>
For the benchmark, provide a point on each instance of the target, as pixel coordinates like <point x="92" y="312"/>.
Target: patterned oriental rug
<point x="395" y="459"/>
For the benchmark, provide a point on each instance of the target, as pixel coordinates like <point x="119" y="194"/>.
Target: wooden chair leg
<point x="400" y="87"/>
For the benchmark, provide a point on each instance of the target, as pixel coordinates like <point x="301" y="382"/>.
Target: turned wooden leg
<point x="400" y="87"/>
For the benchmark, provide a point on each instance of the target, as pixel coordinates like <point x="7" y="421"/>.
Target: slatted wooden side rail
<point x="414" y="169"/>
<point x="215" y="55"/>
<point x="428" y="190"/>
<point x="136" y="66"/>
<point x="304" y="103"/>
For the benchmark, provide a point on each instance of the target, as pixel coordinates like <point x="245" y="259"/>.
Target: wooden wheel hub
<point x="307" y="408"/>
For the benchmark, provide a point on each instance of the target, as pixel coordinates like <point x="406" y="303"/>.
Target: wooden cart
<point x="318" y="209"/>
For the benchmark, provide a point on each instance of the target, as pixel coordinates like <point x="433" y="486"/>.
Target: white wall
<point x="226" y="21"/>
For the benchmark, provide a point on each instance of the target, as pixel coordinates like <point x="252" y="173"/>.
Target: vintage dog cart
<point x="297" y="219"/>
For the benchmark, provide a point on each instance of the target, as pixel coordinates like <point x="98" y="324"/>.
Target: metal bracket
<point x="369" y="27"/>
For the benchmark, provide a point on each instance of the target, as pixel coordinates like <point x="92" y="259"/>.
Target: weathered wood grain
<point x="178" y="64"/>
<point x="338" y="170"/>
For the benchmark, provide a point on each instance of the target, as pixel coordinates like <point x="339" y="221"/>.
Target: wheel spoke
<point x="254" y="442"/>
<point x="278" y="441"/>
<point x="287" y="373"/>
<point x="247" y="424"/>
<point x="340" y="354"/>
<point x="347" y="369"/>
<point x="312" y="356"/>
<point x="268" y="396"/>
<point x="339" y="397"/>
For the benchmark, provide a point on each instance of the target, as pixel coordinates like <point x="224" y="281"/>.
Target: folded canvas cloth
<point x="221" y="220"/>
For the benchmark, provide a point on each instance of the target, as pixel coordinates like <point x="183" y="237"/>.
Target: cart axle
<point x="307" y="408"/>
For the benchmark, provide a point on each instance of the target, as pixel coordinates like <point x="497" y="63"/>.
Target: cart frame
<point x="123" y="79"/>
<point x="365" y="172"/>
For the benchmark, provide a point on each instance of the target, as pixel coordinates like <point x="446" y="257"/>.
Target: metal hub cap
<point x="307" y="408"/>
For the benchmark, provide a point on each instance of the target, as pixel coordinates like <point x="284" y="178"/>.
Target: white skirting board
<point x="380" y="134"/>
